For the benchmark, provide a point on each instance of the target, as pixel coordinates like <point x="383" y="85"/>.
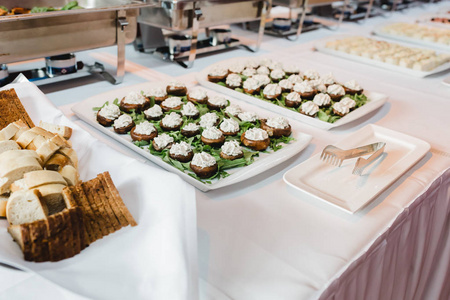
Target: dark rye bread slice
<point x="11" y="109"/>
<point x="107" y="204"/>
<point x="39" y="239"/>
<point x="68" y="235"/>
<point x="77" y="228"/>
<point x="57" y="237"/>
<point x="111" y="188"/>
<point x="26" y="242"/>
<point x="97" y="209"/>
<point x="105" y="210"/>
<point x="115" y="207"/>
<point x="93" y="230"/>
<point x="71" y="202"/>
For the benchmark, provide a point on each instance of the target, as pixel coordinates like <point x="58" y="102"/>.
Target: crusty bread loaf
<point x="70" y="175"/>
<point x="11" y="109"/>
<point x="3" y="203"/>
<point x="42" y="177"/>
<point x="25" y="207"/>
<point x="8" y="145"/>
<point x="62" y="130"/>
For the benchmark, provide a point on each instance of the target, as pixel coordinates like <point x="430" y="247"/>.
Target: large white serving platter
<point x="321" y="46"/>
<point x="339" y="187"/>
<point x="262" y="163"/>
<point x="376" y="100"/>
<point x="378" y="30"/>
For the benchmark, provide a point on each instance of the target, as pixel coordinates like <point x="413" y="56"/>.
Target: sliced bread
<point x="70" y="175"/>
<point x="8" y="132"/>
<point x="52" y="195"/>
<point x="56" y="162"/>
<point x="42" y="177"/>
<point x="62" y="130"/>
<point x="8" y="145"/>
<point x="25" y="207"/>
<point x="3" y="203"/>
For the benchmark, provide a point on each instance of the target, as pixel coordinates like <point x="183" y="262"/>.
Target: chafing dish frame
<point x="194" y="9"/>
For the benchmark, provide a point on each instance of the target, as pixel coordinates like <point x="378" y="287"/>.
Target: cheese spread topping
<point x="309" y="108"/>
<point x="285" y="84"/>
<point x="145" y="128"/>
<point x="341" y="108"/>
<point x="163" y="140"/>
<point x="311" y="74"/>
<point x="234" y="80"/>
<point x="277" y="74"/>
<point x="328" y="79"/>
<point x="231" y="148"/>
<point x="154" y="111"/>
<point x="322" y="99"/>
<point x="208" y="120"/>
<point x="318" y="84"/>
<point x="212" y="133"/>
<point x="191" y="127"/>
<point x="218" y="71"/>
<point x="233" y="110"/>
<point x="181" y="148"/>
<point x="295" y="78"/>
<point x="262" y="79"/>
<point x="294" y="97"/>
<point x="198" y="94"/>
<point x="248" y="116"/>
<point x="249" y="72"/>
<point x="256" y="134"/>
<point x="172" y="120"/>
<point x="251" y="84"/>
<point x="303" y="87"/>
<point x="172" y="102"/>
<point x="277" y="122"/>
<point x="176" y="84"/>
<point x="229" y="125"/>
<point x="272" y="90"/>
<point x="156" y="92"/>
<point x="353" y="85"/>
<point x="203" y="160"/>
<point x="236" y="68"/>
<point x="122" y="121"/>
<point x="134" y="98"/>
<point x="336" y="89"/>
<point x="189" y="109"/>
<point x="348" y="102"/>
<point x="110" y="111"/>
<point x="265" y="62"/>
<point x="291" y="69"/>
<point x="275" y="65"/>
<point x="263" y="70"/>
<point x="252" y="63"/>
<point x="218" y="101"/>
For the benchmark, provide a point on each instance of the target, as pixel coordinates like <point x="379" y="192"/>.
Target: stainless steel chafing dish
<point x="101" y="23"/>
<point x="180" y="15"/>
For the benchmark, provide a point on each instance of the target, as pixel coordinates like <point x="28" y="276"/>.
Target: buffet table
<point x="261" y="239"/>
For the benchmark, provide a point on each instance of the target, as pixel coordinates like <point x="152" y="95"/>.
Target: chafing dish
<point x="193" y="15"/>
<point x="101" y="23"/>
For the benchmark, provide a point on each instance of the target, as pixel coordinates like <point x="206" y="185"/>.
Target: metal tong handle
<point x="362" y="163"/>
<point x="356" y="152"/>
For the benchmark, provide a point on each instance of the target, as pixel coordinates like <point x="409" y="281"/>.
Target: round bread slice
<point x="42" y="177"/>
<point x="14" y="154"/>
<point x="26" y="138"/>
<point x="70" y="175"/>
<point x="8" y="132"/>
<point x="14" y="170"/>
<point x="8" y="145"/>
<point x="25" y="207"/>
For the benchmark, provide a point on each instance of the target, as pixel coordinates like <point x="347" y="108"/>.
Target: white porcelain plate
<point x="321" y="46"/>
<point x="339" y="187"/>
<point x="262" y="163"/>
<point x="376" y="100"/>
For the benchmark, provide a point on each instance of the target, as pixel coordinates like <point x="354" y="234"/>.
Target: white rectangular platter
<point x="426" y="44"/>
<point x="262" y="163"/>
<point x="339" y="187"/>
<point x="376" y="100"/>
<point x="321" y="47"/>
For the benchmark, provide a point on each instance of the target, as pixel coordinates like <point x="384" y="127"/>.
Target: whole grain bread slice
<point x="56" y="241"/>
<point x="11" y="109"/>
<point x="68" y="234"/>
<point x="104" y="208"/>
<point x="111" y="188"/>
<point x="109" y="204"/>
<point x="39" y="240"/>
<point x="95" y="232"/>
<point x="27" y="243"/>
<point x="97" y="209"/>
<point x="76" y="224"/>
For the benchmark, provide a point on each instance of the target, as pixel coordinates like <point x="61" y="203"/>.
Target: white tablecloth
<point x="260" y="239"/>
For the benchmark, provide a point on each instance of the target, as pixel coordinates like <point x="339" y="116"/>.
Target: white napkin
<point x="156" y="259"/>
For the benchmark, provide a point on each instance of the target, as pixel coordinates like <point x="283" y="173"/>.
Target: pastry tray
<point x="262" y="163"/>
<point x="321" y="47"/>
<point x="376" y="100"/>
<point x="339" y="187"/>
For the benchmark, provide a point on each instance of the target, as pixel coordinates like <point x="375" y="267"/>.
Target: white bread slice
<point x="8" y="132"/>
<point x="15" y="170"/>
<point x="18" y="185"/>
<point x="71" y="154"/>
<point x="8" y="145"/>
<point x="57" y="162"/>
<point x="70" y="174"/>
<point x="37" y="178"/>
<point x="26" y="138"/>
<point x="37" y="142"/>
<point x="62" y="130"/>
<point x="22" y="128"/>
<point x="46" y="150"/>
<point x="42" y="132"/>
<point x="60" y="141"/>
<point x="3" y="203"/>
<point x="25" y="207"/>
<point x="51" y="194"/>
<point x="10" y="165"/>
<point x="14" y="154"/>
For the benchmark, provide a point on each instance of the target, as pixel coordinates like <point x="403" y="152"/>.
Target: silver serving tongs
<point x="335" y="156"/>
